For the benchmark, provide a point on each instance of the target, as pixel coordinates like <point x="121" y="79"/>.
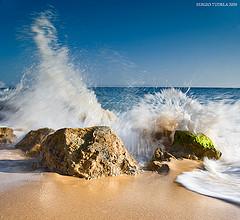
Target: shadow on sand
<point x="13" y="161"/>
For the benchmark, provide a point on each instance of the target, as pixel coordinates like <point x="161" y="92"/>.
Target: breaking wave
<point x="53" y="94"/>
<point x="172" y="109"/>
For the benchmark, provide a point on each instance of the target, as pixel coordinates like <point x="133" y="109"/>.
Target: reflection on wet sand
<point x="145" y="196"/>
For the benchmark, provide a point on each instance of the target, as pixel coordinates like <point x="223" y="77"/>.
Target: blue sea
<point x="53" y="94"/>
<point x="124" y="98"/>
<point x="213" y="111"/>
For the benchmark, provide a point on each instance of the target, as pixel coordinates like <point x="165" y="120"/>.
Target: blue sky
<point x="134" y="43"/>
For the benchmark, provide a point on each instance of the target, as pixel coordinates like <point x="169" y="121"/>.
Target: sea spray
<point x="172" y="109"/>
<point x="53" y="93"/>
<point x="168" y="110"/>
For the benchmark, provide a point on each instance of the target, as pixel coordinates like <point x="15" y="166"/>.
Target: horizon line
<point x="151" y="86"/>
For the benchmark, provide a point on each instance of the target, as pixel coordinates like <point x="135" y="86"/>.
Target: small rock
<point x="157" y="161"/>
<point x="6" y="136"/>
<point x="161" y="155"/>
<point x="31" y="144"/>
<point x="161" y="168"/>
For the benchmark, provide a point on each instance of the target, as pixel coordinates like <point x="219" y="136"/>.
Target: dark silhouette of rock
<point x="162" y="155"/>
<point x="161" y="168"/>
<point x="158" y="160"/>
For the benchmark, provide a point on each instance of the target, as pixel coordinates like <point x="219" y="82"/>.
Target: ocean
<point x="124" y="98"/>
<point x="219" y="179"/>
<point x="53" y="94"/>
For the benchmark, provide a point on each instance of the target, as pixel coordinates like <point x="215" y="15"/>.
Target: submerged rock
<point x="32" y="142"/>
<point x="87" y="153"/>
<point x="193" y="146"/>
<point x="7" y="136"/>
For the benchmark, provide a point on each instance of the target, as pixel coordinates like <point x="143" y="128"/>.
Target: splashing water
<point x="52" y="94"/>
<point x="171" y="109"/>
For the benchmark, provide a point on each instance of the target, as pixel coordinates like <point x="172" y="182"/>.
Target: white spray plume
<point x="54" y="94"/>
<point x="171" y="109"/>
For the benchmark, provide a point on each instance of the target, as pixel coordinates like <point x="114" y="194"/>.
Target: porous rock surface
<point x="7" y="136"/>
<point x="31" y="143"/>
<point x="87" y="153"/>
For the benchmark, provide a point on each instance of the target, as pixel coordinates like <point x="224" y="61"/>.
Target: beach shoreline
<point x="144" y="196"/>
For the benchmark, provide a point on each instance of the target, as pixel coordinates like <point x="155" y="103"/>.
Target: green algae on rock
<point x="193" y="146"/>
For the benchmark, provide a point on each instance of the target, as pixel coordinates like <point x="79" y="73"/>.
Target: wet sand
<point x="145" y="196"/>
<point x="15" y="169"/>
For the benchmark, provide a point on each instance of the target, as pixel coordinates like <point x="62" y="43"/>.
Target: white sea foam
<point x="52" y="94"/>
<point x="175" y="110"/>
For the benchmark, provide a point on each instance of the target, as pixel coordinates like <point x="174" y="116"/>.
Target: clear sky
<point x="137" y="42"/>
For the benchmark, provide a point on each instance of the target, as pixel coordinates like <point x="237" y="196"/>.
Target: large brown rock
<point x="6" y="136"/>
<point x="87" y="153"/>
<point x="32" y="141"/>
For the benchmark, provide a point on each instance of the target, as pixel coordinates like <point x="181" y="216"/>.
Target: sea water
<point x="53" y="94"/>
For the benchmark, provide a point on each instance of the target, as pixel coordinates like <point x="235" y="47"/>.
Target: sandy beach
<point x="145" y="196"/>
<point x="92" y="90"/>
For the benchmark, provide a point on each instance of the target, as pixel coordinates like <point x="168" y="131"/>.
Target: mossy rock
<point x="189" y="145"/>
